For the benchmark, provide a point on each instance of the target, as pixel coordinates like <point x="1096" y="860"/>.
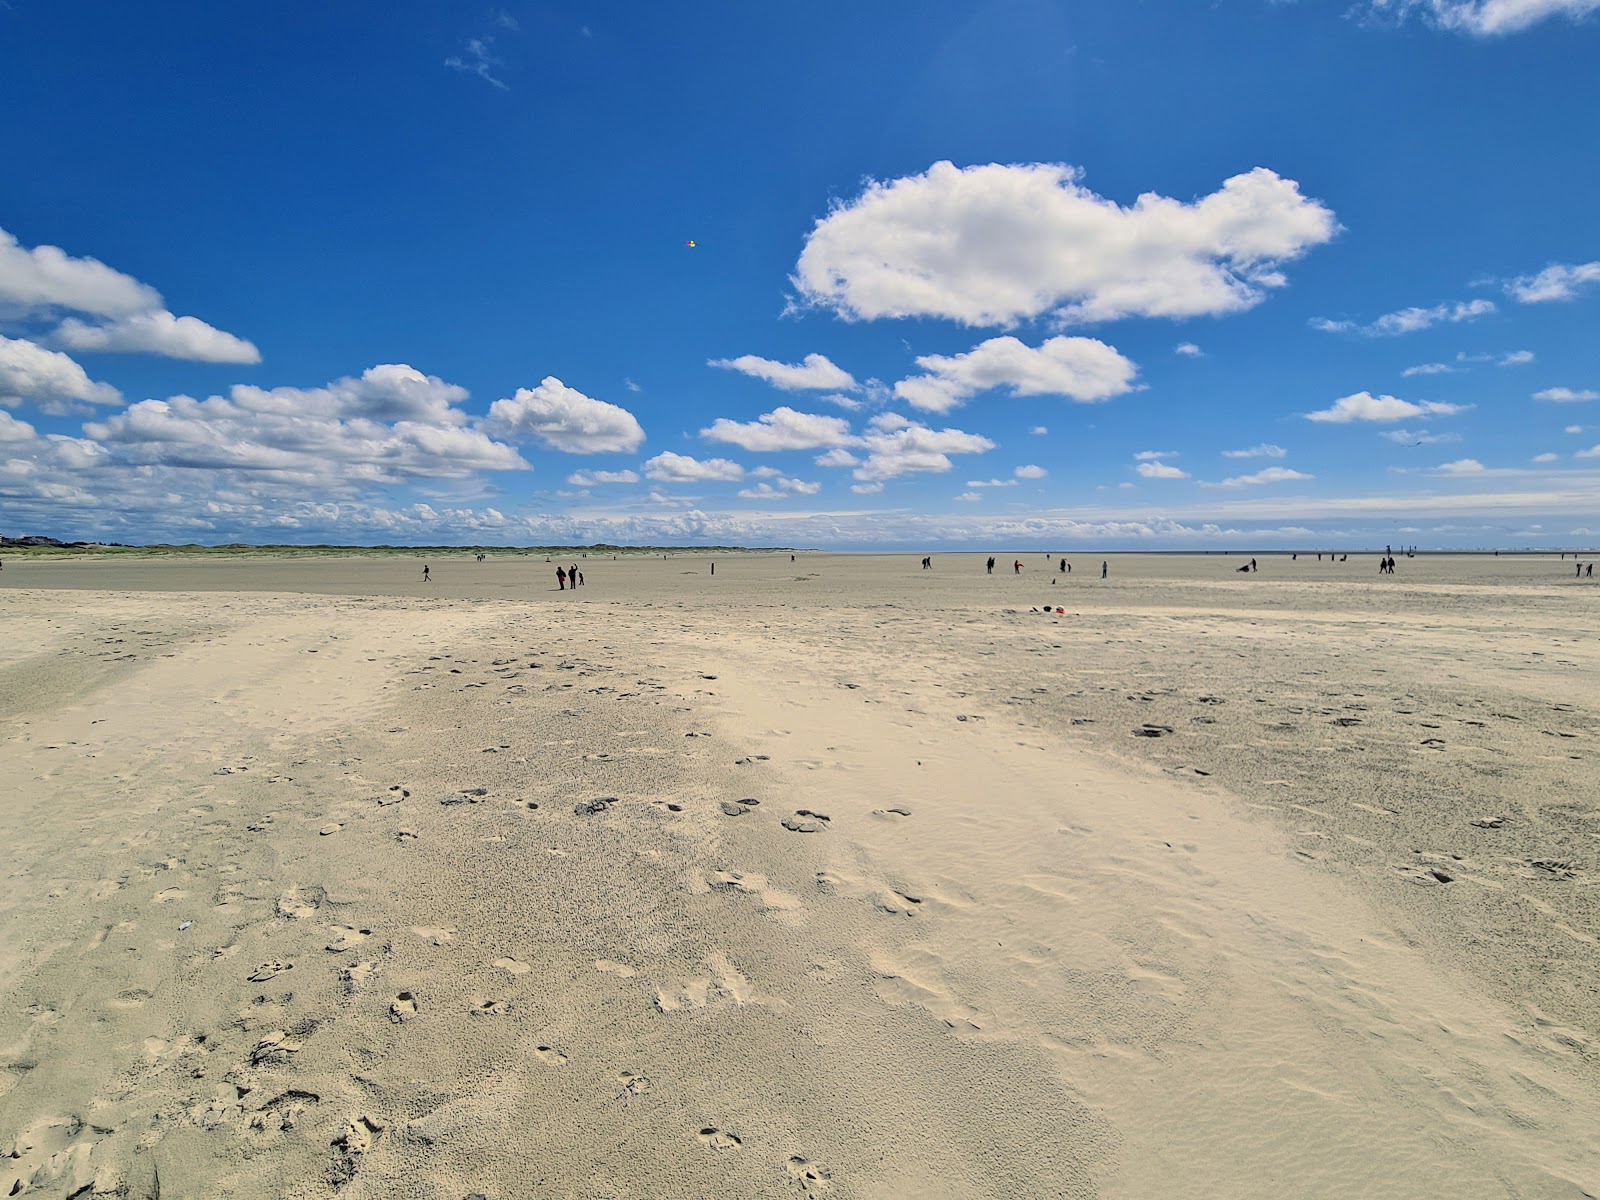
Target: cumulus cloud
<point x="1517" y="358"/>
<point x="1189" y="350"/>
<point x="1265" y="475"/>
<point x="837" y="458"/>
<point x="47" y="277"/>
<point x="158" y="333"/>
<point x="781" y="488"/>
<point x="1154" y="455"/>
<point x="586" y="479"/>
<point x="48" y="379"/>
<point x="563" y="418"/>
<point x="129" y="315"/>
<point x="968" y="498"/>
<point x="782" y="429"/>
<point x="1562" y="281"/>
<point x="991" y="483"/>
<point x="866" y="489"/>
<point x="1264" y="450"/>
<point x="668" y="467"/>
<point x="994" y="245"/>
<point x="1429" y="369"/>
<point x="1364" y="406"/>
<point x="1487" y="18"/>
<point x="1160" y="470"/>
<point x="1409" y="320"/>
<point x="1591" y="452"/>
<point x="1573" y="429"/>
<point x="1461" y="466"/>
<point x="815" y="373"/>
<point x="392" y="425"/>
<point x="1563" y="395"/>
<point x="1038" y="431"/>
<point x="1030" y="472"/>
<point x="896" y="446"/>
<point x="1546" y="458"/>
<point x="1082" y="369"/>
<point x="13" y="430"/>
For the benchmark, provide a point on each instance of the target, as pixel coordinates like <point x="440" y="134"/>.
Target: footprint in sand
<point x="393" y="796"/>
<point x="634" y="1084"/>
<point x="738" y="808"/>
<point x="490" y="1008"/>
<point x="550" y="1056"/>
<point x="403" y="1008"/>
<point x="890" y="814"/>
<point x="297" y="904"/>
<point x="806" y="821"/>
<point x="512" y="966"/>
<point x="809" y="1176"/>
<point x="346" y="938"/>
<point x="437" y="934"/>
<point x="621" y="970"/>
<point x="718" y="1139"/>
<point x="330" y="829"/>
<point x="355" y="977"/>
<point x="350" y="1147"/>
<point x="269" y="970"/>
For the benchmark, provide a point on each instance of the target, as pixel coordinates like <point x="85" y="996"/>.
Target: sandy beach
<point x="833" y="877"/>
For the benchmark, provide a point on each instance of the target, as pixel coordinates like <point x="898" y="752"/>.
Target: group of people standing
<point x="564" y="577"/>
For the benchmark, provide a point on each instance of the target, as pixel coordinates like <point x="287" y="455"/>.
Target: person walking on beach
<point x="561" y="579"/>
<point x="1016" y="567"/>
<point x="425" y="578"/>
<point x="991" y="565"/>
<point x="1064" y="568"/>
<point x="580" y="578"/>
<point x="1253" y="566"/>
<point x="1102" y="568"/>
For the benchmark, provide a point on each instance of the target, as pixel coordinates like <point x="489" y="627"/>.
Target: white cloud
<point x="1363" y="406"/>
<point x="896" y="446"/>
<point x="1030" y="471"/>
<point x="47" y="277"/>
<point x="866" y="489"/>
<point x="1083" y="369"/>
<point x="1409" y="320"/>
<point x="991" y="483"/>
<point x="1546" y="458"/>
<point x="13" y="430"/>
<point x="1461" y="466"/>
<point x="1573" y="429"/>
<point x="968" y="498"/>
<point x="781" y="488"/>
<point x="1264" y="450"/>
<point x="837" y="458"/>
<point x="840" y="400"/>
<point x="1516" y="358"/>
<point x="587" y="479"/>
<point x="1591" y="452"/>
<point x="668" y="467"/>
<point x="40" y="282"/>
<point x="1154" y="455"/>
<point x="1415" y="437"/>
<point x="1161" y="470"/>
<point x="393" y="425"/>
<point x="631" y="385"/>
<point x="1562" y="395"/>
<point x="1038" y="431"/>
<point x="816" y="373"/>
<point x="1189" y="350"/>
<point x="48" y="379"/>
<point x="782" y="429"/>
<point x="159" y="332"/>
<point x="994" y="245"/>
<point x="1488" y="18"/>
<point x="1559" y="282"/>
<point x="1429" y="369"/>
<point x="1265" y="475"/>
<point x="563" y="418"/>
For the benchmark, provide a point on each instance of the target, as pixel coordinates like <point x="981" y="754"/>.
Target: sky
<point x="1021" y="274"/>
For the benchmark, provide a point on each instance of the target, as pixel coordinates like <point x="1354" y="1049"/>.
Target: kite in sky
<point x="690" y="243"/>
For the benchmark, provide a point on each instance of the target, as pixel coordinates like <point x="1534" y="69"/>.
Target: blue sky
<point x="1086" y="272"/>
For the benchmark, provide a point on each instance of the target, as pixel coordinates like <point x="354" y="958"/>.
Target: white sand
<point x="306" y="891"/>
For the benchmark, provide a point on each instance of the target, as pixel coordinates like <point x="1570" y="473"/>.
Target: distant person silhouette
<point x="1102" y="569"/>
<point x="561" y="578"/>
<point x="1016" y="567"/>
<point x="425" y="578"/>
<point x="990" y="568"/>
<point x="1063" y="568"/>
<point x="1253" y="566"/>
